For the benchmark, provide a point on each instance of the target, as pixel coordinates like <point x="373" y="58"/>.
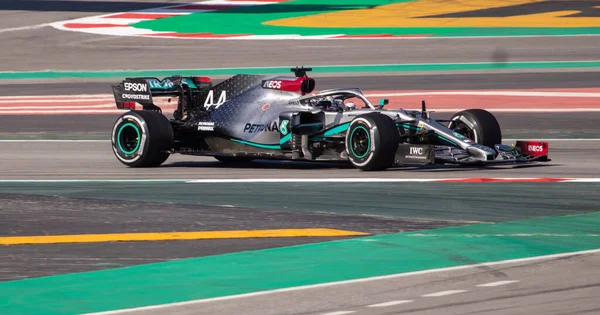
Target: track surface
<point x="478" y="81"/>
<point x="24" y="215"/>
<point x="543" y="287"/>
<point x="85" y="160"/>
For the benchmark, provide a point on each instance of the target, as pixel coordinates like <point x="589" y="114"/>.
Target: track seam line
<point x="497" y="283"/>
<point x="443" y="293"/>
<point x="390" y="303"/>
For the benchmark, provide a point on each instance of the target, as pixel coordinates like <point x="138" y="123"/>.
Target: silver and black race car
<point x="248" y="117"/>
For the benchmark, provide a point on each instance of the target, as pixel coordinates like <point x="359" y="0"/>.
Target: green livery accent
<point x="408" y="126"/>
<point x="285" y="139"/>
<point x="337" y="129"/>
<point x="283" y="128"/>
<point x="167" y="83"/>
<point x="137" y="131"/>
<point x="258" y="145"/>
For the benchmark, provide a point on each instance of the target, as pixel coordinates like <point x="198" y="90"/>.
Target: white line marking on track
<point x="8" y="181"/>
<point x="307" y="180"/>
<point x="361" y="280"/>
<point x="443" y="293"/>
<point x="365" y="180"/>
<point x="390" y="303"/>
<point x="24" y="28"/>
<point x="583" y="180"/>
<point x="277" y="180"/>
<point x="497" y="283"/>
<point x="339" y="313"/>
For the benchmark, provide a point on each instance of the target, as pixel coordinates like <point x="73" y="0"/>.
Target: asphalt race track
<point x="95" y="160"/>
<point x="33" y="202"/>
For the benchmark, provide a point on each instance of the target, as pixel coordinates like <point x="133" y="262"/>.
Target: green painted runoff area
<point x="60" y="74"/>
<point x="249" y="20"/>
<point x="253" y="271"/>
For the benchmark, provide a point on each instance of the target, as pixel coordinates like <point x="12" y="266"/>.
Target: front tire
<point x="371" y="142"/>
<point x="141" y="138"/>
<point x="478" y="125"/>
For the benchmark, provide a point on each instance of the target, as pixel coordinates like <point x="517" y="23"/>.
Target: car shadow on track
<point x="264" y="164"/>
<point x="301" y="165"/>
<point x="458" y="168"/>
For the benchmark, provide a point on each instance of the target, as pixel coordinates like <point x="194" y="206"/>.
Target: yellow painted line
<point x="171" y="236"/>
<point x="410" y="14"/>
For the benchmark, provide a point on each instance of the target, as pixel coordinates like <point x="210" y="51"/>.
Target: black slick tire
<point x="371" y="142"/>
<point x="478" y="125"/>
<point x="141" y="138"/>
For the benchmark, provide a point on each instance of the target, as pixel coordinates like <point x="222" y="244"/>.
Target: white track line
<point x="101" y="181"/>
<point x="339" y="313"/>
<point x="497" y="283"/>
<point x="329" y="284"/>
<point x="366" y="180"/>
<point x="24" y="28"/>
<point x="443" y="293"/>
<point x="277" y="180"/>
<point x="584" y="180"/>
<point x="390" y="303"/>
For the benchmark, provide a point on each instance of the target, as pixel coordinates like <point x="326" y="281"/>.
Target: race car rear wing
<point x="142" y="89"/>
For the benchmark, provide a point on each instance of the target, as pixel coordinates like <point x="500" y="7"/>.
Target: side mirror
<point x="383" y="102"/>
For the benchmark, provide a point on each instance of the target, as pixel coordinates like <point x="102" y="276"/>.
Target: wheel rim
<point x="128" y="138"/>
<point x="360" y="142"/>
<point x="463" y="129"/>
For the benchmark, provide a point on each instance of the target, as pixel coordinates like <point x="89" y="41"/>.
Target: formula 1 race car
<point x="248" y="117"/>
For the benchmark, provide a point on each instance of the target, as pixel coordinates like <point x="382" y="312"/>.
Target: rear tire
<point x="141" y="138"/>
<point x="478" y="125"/>
<point x="371" y="142"/>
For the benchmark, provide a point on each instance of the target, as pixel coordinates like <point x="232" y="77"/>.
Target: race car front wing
<point x="522" y="152"/>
